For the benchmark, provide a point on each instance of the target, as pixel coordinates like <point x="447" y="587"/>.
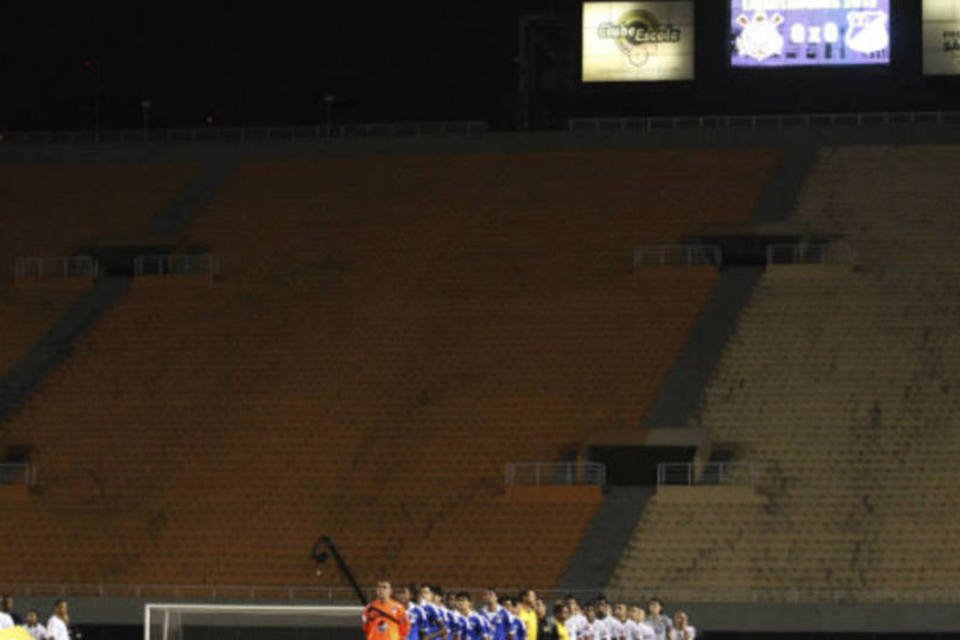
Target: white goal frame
<point x="165" y="609"/>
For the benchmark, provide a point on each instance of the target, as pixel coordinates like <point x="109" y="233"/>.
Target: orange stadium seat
<point x="389" y="331"/>
<point x="50" y="210"/>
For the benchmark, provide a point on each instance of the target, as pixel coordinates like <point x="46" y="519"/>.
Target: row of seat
<point x="388" y="333"/>
<point x="840" y="390"/>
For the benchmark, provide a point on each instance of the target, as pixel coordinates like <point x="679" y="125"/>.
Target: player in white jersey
<point x="595" y="628"/>
<point x="658" y="621"/>
<point x="682" y="629"/>
<point x="616" y="622"/>
<point x="637" y="627"/>
<point x="576" y="620"/>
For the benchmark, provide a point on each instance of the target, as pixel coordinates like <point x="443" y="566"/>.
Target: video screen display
<point x="637" y="41"/>
<point x="941" y="37"/>
<point x="809" y="33"/>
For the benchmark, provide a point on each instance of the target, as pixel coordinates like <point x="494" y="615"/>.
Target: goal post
<point x="194" y="621"/>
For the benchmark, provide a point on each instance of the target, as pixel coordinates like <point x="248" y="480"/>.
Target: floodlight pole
<point x="328" y="100"/>
<point x="319" y="557"/>
<point x="97" y="81"/>
<point x="526" y="62"/>
<point x="145" y="105"/>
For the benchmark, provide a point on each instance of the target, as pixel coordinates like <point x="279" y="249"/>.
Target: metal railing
<point x="682" y="254"/>
<point x="177" y="264"/>
<point x="248" y="134"/>
<point x="809" y="253"/>
<point x="555" y="473"/>
<point x="61" y="267"/>
<point x="711" y="473"/>
<point x="17" y="473"/>
<point x="757" y="122"/>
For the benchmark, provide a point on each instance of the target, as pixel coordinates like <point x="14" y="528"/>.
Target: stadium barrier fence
<point x="555" y="473"/>
<point x="56" y="268"/>
<point x="711" y="473"/>
<point x="760" y="121"/>
<point x="679" y="254"/>
<point x="17" y="473"/>
<point x="177" y="264"/>
<point x="247" y="134"/>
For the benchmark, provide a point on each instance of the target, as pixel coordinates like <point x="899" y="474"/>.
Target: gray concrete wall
<point x="680" y="395"/>
<point x="607" y="536"/>
<point x="196" y="194"/>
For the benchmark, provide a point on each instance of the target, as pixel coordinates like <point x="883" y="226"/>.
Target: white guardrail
<point x="248" y="134"/>
<point x="60" y="267"/>
<point x="711" y="473"/>
<point x="810" y="253"/>
<point x="782" y="121"/>
<point x="17" y="473"/>
<point x="555" y="473"/>
<point x="177" y="264"/>
<point x="679" y="254"/>
<point x="637" y="593"/>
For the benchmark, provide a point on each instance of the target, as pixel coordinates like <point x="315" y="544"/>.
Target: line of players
<point x="435" y="617"/>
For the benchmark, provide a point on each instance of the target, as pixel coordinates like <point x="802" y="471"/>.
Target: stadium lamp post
<point x="94" y="65"/>
<point x="96" y="107"/>
<point x="328" y="100"/>
<point x="145" y="105"/>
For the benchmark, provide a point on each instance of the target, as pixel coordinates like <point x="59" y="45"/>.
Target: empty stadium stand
<point x="387" y="333"/>
<point x="840" y="389"/>
<point x="56" y="210"/>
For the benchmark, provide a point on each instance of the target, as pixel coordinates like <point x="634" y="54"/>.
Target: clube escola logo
<point x="638" y="34"/>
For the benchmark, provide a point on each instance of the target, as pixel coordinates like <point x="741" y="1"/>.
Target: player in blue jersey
<point x="446" y="615"/>
<point x="516" y="629"/>
<point x="455" y="620"/>
<point x="414" y="613"/>
<point x="431" y="623"/>
<point x="476" y="626"/>
<point x="495" y="614"/>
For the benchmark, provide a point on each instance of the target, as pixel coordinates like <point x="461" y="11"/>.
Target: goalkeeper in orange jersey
<point x="385" y="618"/>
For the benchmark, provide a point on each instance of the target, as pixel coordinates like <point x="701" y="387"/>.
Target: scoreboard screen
<point x="638" y="41"/>
<point x="941" y="37"/>
<point x="809" y="33"/>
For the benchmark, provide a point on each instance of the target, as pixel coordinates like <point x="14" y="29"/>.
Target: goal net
<point x="172" y="621"/>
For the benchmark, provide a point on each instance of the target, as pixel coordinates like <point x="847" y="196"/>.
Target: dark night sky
<point x="258" y="64"/>
<point x="272" y="64"/>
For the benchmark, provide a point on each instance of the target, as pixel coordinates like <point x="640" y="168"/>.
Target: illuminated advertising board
<point x="637" y="41"/>
<point x="809" y="33"/>
<point x="941" y="37"/>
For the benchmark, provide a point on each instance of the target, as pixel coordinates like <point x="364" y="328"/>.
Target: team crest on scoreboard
<point x="867" y="31"/>
<point x="761" y="36"/>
